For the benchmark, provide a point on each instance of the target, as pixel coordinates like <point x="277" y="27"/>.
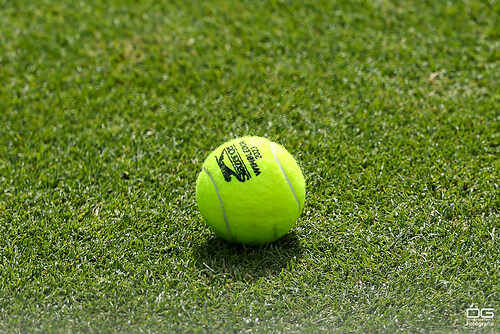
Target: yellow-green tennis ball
<point x="250" y="190"/>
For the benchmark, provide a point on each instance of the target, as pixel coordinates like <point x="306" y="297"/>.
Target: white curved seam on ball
<point x="284" y="174"/>
<point x="220" y="201"/>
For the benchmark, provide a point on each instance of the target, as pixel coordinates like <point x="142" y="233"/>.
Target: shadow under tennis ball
<point x="218" y="258"/>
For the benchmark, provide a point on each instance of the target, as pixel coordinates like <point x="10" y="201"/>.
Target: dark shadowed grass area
<point x="108" y="109"/>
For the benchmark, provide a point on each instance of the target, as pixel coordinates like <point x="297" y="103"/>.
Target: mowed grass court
<point x="108" y="109"/>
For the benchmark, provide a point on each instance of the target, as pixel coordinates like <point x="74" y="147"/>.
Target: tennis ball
<point x="250" y="190"/>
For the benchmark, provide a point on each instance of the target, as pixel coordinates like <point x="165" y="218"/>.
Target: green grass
<point x="108" y="109"/>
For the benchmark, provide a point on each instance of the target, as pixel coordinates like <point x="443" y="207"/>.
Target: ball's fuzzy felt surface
<point x="250" y="190"/>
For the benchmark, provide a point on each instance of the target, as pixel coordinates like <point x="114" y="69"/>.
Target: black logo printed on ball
<point x="239" y="168"/>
